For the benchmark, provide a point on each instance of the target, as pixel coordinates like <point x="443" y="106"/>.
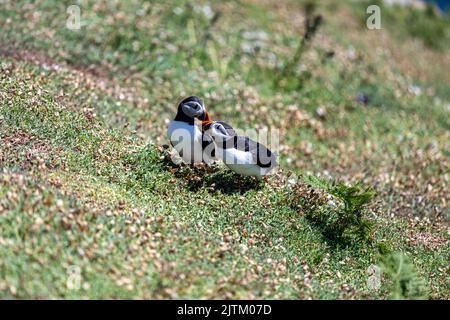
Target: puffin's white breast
<point x="240" y="162"/>
<point x="187" y="140"/>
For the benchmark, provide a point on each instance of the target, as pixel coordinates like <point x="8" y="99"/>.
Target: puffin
<point x="239" y="153"/>
<point x="209" y="149"/>
<point x="185" y="136"/>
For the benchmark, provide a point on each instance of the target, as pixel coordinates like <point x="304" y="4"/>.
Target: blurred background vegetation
<point x="358" y="105"/>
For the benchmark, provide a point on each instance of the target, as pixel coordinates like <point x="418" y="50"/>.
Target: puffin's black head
<point x="207" y="126"/>
<point x="190" y="108"/>
<point x="229" y="129"/>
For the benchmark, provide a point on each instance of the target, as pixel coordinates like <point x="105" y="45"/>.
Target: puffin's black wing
<point x="263" y="156"/>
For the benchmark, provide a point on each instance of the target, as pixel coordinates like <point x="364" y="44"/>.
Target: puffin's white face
<point x="193" y="109"/>
<point x="218" y="132"/>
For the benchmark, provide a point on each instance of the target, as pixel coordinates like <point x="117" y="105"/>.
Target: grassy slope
<point x="83" y="186"/>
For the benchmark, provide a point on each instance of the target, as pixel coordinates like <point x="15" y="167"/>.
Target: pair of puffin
<point x="216" y="140"/>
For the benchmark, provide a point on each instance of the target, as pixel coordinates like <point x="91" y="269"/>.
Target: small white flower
<point x="415" y="90"/>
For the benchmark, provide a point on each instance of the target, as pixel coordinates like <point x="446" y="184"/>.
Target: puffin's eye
<point x="222" y="130"/>
<point x="196" y="105"/>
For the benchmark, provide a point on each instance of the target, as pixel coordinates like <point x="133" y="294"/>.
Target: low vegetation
<point x="92" y="207"/>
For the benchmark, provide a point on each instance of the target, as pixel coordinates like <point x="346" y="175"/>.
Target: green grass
<point x="428" y="25"/>
<point x="405" y="284"/>
<point x="86" y="184"/>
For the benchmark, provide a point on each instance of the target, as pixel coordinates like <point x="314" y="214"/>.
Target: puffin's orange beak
<point x="207" y="120"/>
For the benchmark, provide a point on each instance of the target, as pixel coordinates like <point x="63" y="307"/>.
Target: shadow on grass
<point x="332" y="237"/>
<point x="229" y="182"/>
<point x="214" y="178"/>
<point x="335" y="210"/>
